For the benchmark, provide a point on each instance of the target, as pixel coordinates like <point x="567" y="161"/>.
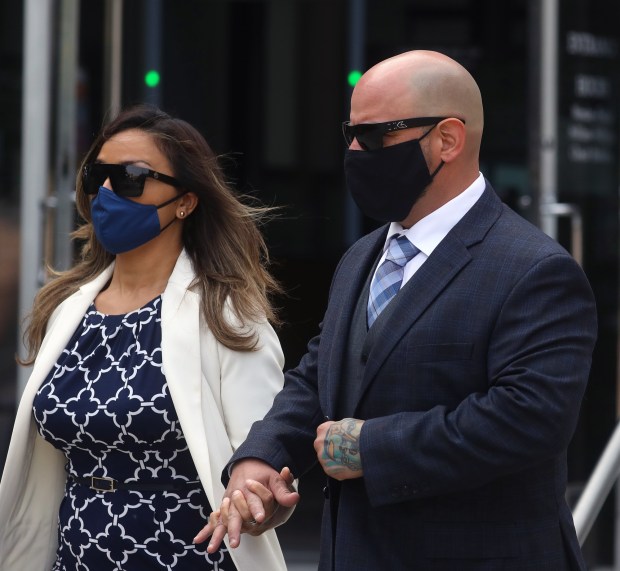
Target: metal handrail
<point x="573" y="212"/>
<point x="597" y="489"/>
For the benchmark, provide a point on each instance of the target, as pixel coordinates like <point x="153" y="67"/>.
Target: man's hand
<point x="338" y="450"/>
<point x="257" y="498"/>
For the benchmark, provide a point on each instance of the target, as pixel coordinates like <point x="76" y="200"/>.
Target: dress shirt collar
<point x="427" y="233"/>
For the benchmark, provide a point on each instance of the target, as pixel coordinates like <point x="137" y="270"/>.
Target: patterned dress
<point x="106" y="405"/>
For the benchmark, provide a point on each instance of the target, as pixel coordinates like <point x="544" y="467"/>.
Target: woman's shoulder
<point x="88" y="290"/>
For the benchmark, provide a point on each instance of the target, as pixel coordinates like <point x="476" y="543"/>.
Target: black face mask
<point x="386" y="183"/>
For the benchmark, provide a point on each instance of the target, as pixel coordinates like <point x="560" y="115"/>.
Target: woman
<point x="154" y="355"/>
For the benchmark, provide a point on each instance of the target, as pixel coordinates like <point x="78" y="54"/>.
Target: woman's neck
<point x="139" y="276"/>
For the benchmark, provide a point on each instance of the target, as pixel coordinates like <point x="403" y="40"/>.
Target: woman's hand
<point x="250" y="505"/>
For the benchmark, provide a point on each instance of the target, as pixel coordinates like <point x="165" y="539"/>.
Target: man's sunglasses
<point x="370" y="135"/>
<point x="127" y="180"/>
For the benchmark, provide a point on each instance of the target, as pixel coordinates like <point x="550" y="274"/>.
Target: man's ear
<point x="453" y="136"/>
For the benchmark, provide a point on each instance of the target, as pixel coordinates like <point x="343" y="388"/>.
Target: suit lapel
<point x="446" y="261"/>
<point x="355" y="270"/>
<point x="428" y="282"/>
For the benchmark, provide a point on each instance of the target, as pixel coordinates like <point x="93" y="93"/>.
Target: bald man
<point x="445" y="384"/>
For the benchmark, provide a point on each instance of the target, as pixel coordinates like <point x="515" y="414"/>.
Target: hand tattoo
<point x="342" y="444"/>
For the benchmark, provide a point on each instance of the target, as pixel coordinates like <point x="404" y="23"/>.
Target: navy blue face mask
<point x="121" y="224"/>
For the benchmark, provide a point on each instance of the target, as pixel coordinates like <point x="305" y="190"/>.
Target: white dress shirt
<point x="427" y="233"/>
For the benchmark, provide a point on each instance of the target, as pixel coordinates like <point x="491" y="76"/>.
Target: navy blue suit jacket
<point x="470" y="397"/>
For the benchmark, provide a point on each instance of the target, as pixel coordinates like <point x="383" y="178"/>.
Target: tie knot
<point x="401" y="250"/>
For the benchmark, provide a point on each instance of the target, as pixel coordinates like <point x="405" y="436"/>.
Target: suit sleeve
<point x="285" y="437"/>
<point x="538" y="361"/>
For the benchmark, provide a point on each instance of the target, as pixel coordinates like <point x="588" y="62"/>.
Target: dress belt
<point x="105" y="484"/>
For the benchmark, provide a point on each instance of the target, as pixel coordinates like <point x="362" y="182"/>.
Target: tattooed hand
<point x="337" y="448"/>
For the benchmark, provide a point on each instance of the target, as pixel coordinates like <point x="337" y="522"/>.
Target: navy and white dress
<point x="106" y="405"/>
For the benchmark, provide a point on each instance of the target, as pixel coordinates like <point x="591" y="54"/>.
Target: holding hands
<point x="259" y="498"/>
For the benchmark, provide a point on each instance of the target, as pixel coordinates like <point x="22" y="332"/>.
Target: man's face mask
<point x="386" y="182"/>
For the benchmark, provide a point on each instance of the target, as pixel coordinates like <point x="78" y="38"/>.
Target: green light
<point x="354" y="77"/>
<point x="152" y="78"/>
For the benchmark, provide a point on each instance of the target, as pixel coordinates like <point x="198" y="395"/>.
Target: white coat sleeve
<point x="250" y="381"/>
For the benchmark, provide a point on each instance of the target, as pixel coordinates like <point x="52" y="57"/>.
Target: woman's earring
<point x="182" y="214"/>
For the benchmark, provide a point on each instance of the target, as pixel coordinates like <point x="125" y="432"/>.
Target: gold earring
<point x="182" y="214"/>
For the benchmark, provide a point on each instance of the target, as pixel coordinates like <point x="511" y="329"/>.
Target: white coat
<point x="217" y="394"/>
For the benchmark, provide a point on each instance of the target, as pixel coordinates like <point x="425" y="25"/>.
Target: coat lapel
<point x="446" y="261"/>
<point x="62" y="326"/>
<point x="180" y="326"/>
<point x="356" y="268"/>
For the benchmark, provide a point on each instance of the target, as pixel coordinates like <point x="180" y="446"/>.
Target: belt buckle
<point x="102" y="484"/>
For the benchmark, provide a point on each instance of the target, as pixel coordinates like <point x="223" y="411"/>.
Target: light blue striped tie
<point x="389" y="276"/>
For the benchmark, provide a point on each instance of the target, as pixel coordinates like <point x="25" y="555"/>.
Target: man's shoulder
<point x="523" y="233"/>
<point x="508" y="228"/>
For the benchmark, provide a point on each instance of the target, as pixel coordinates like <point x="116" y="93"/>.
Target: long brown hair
<point x="222" y="236"/>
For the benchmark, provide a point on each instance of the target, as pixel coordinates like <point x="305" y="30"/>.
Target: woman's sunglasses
<point x="370" y="135"/>
<point x="126" y="180"/>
